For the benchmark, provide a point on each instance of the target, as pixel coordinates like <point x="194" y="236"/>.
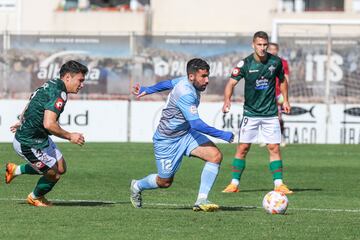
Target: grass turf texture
<point x="324" y="177"/>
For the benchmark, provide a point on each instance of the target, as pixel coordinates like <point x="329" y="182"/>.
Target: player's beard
<point x="200" y="88"/>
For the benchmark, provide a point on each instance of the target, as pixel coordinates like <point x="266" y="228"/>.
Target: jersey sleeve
<point x="161" y="86"/>
<point x="280" y="71"/>
<point x="239" y="71"/>
<point x="187" y="105"/>
<point x="177" y="80"/>
<point x="56" y="103"/>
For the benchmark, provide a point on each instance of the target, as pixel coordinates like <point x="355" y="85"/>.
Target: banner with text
<point x="99" y="121"/>
<point x="308" y="60"/>
<point x="34" y="59"/>
<point x="107" y="121"/>
<point x="164" y="57"/>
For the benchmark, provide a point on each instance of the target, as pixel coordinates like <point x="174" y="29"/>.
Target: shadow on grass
<point x="83" y="203"/>
<point x="189" y="208"/>
<point x="293" y="189"/>
<point x="306" y="189"/>
<point x="237" y="208"/>
<point x="149" y="206"/>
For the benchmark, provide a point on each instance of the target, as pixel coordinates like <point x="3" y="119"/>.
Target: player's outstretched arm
<point x="229" y="89"/>
<point x="200" y="126"/>
<point x="140" y="91"/>
<point x="51" y="124"/>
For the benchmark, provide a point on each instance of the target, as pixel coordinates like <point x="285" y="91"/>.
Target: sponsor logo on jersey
<point x="193" y="109"/>
<point x="235" y="72"/>
<point x="262" y="84"/>
<point x="271" y="69"/>
<point x="254" y="70"/>
<point x="59" y="104"/>
<point x="63" y="95"/>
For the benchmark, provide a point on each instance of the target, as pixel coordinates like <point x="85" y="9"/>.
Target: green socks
<point x="276" y="169"/>
<point x="43" y="187"/>
<point x="238" y="167"/>
<point x="27" y="169"/>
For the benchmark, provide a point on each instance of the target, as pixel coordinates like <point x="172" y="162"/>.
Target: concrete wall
<point x="186" y="16"/>
<point x="41" y="16"/>
<point x="212" y="16"/>
<point x="237" y="16"/>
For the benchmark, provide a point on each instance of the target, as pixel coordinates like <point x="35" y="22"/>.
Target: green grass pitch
<point x="93" y="197"/>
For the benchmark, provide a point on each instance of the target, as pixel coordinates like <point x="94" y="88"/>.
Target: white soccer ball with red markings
<point x="275" y="202"/>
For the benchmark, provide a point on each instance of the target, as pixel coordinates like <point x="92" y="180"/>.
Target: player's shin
<point x="26" y="169"/>
<point x="43" y="186"/>
<point x="146" y="183"/>
<point x="208" y="177"/>
<point x="276" y="169"/>
<point x="238" y="166"/>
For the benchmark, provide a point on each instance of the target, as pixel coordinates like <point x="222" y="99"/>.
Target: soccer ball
<point x="275" y="202"/>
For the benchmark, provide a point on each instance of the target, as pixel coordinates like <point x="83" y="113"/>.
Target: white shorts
<point x="40" y="159"/>
<point x="269" y="128"/>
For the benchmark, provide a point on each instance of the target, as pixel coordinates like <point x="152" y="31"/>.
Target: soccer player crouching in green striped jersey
<point x="39" y="120"/>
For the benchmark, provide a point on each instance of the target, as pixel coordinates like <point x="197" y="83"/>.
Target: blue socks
<point x="208" y="177"/>
<point x="148" y="182"/>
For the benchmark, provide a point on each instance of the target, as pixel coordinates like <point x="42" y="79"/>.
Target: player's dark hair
<point x="195" y="64"/>
<point x="261" y="34"/>
<point x="274" y="44"/>
<point x="73" y="67"/>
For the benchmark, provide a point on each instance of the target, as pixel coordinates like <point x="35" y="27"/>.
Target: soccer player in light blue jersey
<point x="180" y="132"/>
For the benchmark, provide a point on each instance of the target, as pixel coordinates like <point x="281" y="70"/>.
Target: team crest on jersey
<point x="193" y="109"/>
<point x="63" y="95"/>
<point x="59" y="104"/>
<point x="272" y="69"/>
<point x="236" y="72"/>
<point x="240" y="64"/>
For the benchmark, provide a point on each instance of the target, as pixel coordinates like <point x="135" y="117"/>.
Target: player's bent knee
<point x="218" y="157"/>
<point x="243" y="150"/>
<point x="62" y="171"/>
<point x="164" y="183"/>
<point x="274" y="148"/>
<point x="61" y="166"/>
<point x="53" y="177"/>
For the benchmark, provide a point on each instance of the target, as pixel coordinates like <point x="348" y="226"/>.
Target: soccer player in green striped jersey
<point x="39" y="120"/>
<point x="259" y="70"/>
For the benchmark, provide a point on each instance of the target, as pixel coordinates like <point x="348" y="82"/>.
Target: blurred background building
<point x="146" y="41"/>
<point x="155" y="16"/>
<point x="149" y="40"/>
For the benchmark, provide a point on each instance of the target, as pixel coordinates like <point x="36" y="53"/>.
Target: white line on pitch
<point x="189" y="206"/>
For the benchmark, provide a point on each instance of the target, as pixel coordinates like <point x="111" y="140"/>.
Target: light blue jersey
<point x="181" y="107"/>
<point x="174" y="137"/>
